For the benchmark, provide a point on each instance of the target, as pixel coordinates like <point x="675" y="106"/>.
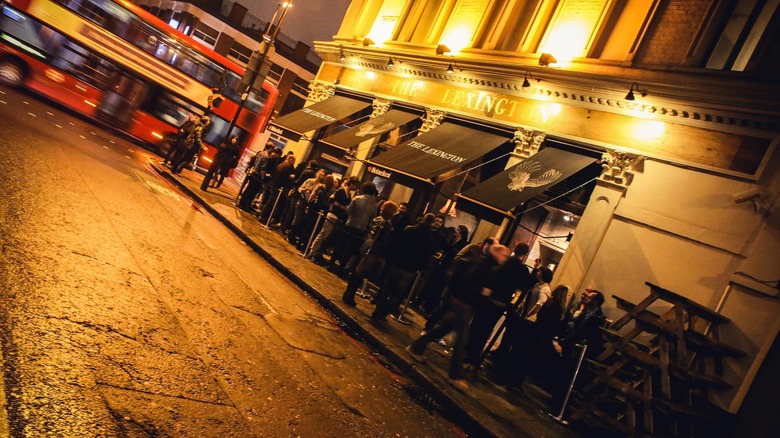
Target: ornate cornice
<point x="673" y="112"/>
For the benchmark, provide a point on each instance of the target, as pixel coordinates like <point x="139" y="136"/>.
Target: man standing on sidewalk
<point x="471" y="277"/>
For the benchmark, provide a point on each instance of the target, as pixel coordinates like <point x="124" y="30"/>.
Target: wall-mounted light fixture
<point x="342" y="56"/>
<point x="442" y="49"/>
<point x="635" y="87"/>
<point x="391" y="62"/>
<point x="526" y="83"/>
<point x="453" y="65"/>
<point x="368" y="42"/>
<point x="547" y="59"/>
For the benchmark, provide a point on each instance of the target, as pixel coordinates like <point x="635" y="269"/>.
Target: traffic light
<point x="258" y="67"/>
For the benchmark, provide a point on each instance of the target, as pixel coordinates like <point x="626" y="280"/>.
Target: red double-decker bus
<point x="116" y="63"/>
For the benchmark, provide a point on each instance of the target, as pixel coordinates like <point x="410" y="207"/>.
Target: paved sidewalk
<point x="488" y="410"/>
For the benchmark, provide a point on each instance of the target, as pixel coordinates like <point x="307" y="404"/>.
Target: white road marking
<point x="25" y="102"/>
<point x="3" y="102"/>
<point x="31" y="114"/>
<point x="49" y="113"/>
<point x="128" y="157"/>
<point x="163" y="190"/>
<point x="58" y="126"/>
<point x="105" y="147"/>
<point x="82" y="137"/>
<point x="71" y="124"/>
<point x="93" y="133"/>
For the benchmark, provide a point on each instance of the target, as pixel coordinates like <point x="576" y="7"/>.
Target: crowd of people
<point x="497" y="306"/>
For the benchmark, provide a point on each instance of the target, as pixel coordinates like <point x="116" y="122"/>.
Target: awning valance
<point x="316" y="116"/>
<point x="369" y="129"/>
<point x="445" y="148"/>
<point x="525" y="180"/>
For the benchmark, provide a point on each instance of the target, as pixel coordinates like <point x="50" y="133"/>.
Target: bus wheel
<point x="11" y="72"/>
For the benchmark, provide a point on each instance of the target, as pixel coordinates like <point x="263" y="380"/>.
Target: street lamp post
<point x="256" y="70"/>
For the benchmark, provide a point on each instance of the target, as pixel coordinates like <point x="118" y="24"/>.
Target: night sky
<point x="307" y="20"/>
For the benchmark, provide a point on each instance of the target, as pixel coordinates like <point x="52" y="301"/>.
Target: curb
<point x="397" y="358"/>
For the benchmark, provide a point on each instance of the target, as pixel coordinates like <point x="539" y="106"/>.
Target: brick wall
<point x="672" y="32"/>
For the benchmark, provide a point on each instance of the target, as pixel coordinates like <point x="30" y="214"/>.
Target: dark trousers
<point x="485" y="320"/>
<point x="182" y="159"/>
<point x="458" y="319"/>
<point x="253" y="187"/>
<point x="394" y="289"/>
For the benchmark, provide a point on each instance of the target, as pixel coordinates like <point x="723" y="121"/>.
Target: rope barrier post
<point x="273" y="209"/>
<point x="400" y="319"/>
<point x="307" y="250"/>
<point x="559" y="418"/>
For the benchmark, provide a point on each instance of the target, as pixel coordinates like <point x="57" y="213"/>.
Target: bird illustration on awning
<point x="521" y="176"/>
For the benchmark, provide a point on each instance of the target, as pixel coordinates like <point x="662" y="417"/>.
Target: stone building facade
<point x="686" y="197"/>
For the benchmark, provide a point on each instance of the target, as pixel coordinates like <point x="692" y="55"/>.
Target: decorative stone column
<point x="365" y="149"/>
<point x="527" y="142"/>
<point x="618" y="170"/>
<point x="618" y="167"/>
<point x="433" y="118"/>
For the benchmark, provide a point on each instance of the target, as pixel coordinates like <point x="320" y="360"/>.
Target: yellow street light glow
<point x="370" y="75"/>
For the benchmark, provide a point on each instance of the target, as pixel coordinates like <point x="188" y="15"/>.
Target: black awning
<point x="315" y="116"/>
<point x="525" y="180"/>
<point x="369" y="129"/>
<point x="445" y="148"/>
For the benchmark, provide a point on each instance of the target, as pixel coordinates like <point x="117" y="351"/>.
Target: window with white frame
<point x="240" y="52"/>
<point x="206" y="34"/>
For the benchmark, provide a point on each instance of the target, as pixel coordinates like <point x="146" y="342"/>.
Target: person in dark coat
<point x="407" y="255"/>
<point x="258" y="175"/>
<point x="513" y="278"/>
<point x="193" y="145"/>
<point x="182" y="133"/>
<point x="582" y="329"/>
<point x="226" y="154"/>
<point x="471" y="277"/>
<point x="280" y="184"/>
<point x="373" y="252"/>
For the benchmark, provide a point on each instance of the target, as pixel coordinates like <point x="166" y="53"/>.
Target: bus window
<point x="148" y="38"/>
<point x="168" y="107"/>
<point x="256" y="101"/>
<point x="84" y="65"/>
<point x="218" y="130"/>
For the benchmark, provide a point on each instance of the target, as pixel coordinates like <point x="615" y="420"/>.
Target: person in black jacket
<point x="582" y="329"/>
<point x="407" y="255"/>
<point x="373" y="252"/>
<point x="472" y="277"/>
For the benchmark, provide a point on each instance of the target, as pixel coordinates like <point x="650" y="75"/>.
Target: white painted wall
<point x="680" y="229"/>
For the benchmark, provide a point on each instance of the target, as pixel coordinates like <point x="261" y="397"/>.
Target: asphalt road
<point x="125" y="311"/>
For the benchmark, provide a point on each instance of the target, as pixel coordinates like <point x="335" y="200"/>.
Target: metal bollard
<point x="273" y="209"/>
<point x="409" y="297"/>
<point x="559" y="417"/>
<point x="307" y="250"/>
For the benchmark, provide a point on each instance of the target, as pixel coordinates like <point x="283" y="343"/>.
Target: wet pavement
<point x="484" y="408"/>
